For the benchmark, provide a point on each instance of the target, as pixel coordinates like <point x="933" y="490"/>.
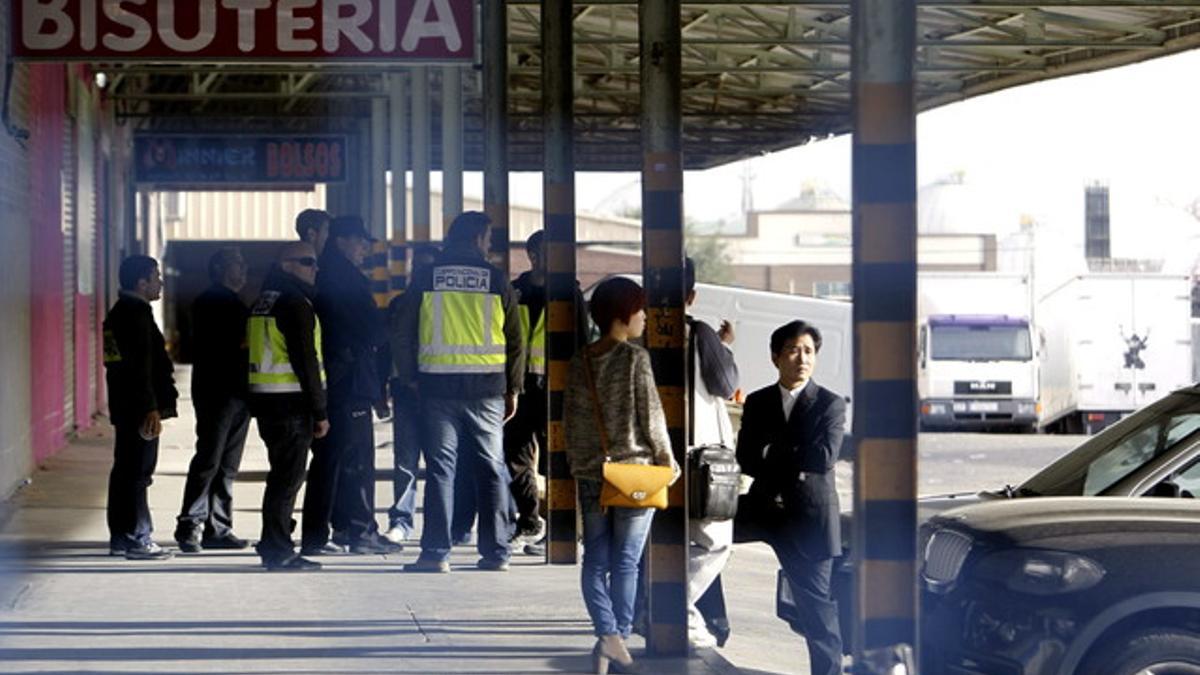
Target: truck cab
<point x="977" y="372"/>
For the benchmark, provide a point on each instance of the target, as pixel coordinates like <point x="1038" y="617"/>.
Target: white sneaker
<point x="701" y="639"/>
<point x="397" y="534"/>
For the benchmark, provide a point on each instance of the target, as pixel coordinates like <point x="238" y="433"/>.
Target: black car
<point x="1154" y="452"/>
<point x="1063" y="585"/>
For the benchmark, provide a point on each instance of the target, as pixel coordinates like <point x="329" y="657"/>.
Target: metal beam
<point x="421" y="130"/>
<point x="452" y="145"/>
<point x="495" y="122"/>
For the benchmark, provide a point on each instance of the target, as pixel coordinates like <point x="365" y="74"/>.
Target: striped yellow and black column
<point x="885" y="290"/>
<point x="397" y="266"/>
<point x="495" y="128"/>
<point x="662" y="265"/>
<point x="559" y="195"/>
<point x="377" y="269"/>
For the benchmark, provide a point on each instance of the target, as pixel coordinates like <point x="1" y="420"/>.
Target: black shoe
<point x="229" y="542"/>
<point x="328" y="548"/>
<point x="293" y="564"/>
<point x="374" y="545"/>
<point x="188" y="545"/>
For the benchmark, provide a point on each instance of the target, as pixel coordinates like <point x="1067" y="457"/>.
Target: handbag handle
<point x="599" y="415"/>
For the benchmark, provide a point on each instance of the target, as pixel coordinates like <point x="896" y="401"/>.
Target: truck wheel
<point x="1155" y="651"/>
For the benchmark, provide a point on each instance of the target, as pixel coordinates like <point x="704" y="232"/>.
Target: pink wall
<point x="47" y="104"/>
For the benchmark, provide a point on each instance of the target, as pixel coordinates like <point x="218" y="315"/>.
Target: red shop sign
<point x="411" y="31"/>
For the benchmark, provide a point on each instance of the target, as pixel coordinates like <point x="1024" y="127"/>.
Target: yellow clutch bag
<point x="635" y="485"/>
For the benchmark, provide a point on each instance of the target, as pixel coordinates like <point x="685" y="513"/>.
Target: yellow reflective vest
<point x="535" y="362"/>
<point x="461" y="326"/>
<point x="270" y="366"/>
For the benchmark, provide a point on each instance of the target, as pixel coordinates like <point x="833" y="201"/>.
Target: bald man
<point x="287" y="395"/>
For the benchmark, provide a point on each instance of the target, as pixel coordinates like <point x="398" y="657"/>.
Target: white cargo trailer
<point x="1113" y="342"/>
<point x="977" y="363"/>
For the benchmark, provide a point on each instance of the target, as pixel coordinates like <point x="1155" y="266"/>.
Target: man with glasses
<point x="287" y="394"/>
<point x="341" y="480"/>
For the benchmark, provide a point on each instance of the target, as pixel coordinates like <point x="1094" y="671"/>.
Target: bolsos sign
<point x="246" y="161"/>
<point x="245" y="30"/>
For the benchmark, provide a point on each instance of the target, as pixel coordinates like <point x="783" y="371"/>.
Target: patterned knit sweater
<point x="632" y="412"/>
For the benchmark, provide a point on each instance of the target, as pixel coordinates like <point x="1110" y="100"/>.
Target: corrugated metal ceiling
<point x="757" y="77"/>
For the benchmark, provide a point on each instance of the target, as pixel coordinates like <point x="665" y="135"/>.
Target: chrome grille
<point x="944" y="556"/>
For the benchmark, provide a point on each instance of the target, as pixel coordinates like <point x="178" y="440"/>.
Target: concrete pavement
<point x="67" y="607"/>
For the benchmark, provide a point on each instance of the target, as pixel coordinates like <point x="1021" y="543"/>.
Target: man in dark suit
<point x="789" y="442"/>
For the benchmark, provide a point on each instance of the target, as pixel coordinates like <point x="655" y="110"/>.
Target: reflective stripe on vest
<point x="270" y="366"/>
<point x="461" y="333"/>
<point x="535" y="362"/>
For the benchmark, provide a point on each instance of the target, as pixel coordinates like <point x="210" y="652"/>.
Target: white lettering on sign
<point x="287" y="23"/>
<point x="39" y="15"/>
<point x="189" y="30"/>
<point x="442" y="26"/>
<point x="204" y="35"/>
<point x="245" y="11"/>
<point x="336" y="25"/>
<point x="462" y="278"/>
<point x="139" y="27"/>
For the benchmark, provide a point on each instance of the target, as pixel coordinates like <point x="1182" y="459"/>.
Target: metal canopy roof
<point x="756" y="77"/>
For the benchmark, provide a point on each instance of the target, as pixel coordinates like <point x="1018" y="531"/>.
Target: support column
<point x="663" y="271"/>
<point x="452" y="145"/>
<point x="885" y="291"/>
<point x="363" y="183"/>
<point x="559" y="194"/>
<point x="398" y="107"/>
<point x="377" y="222"/>
<point x="420" y="149"/>
<point x="495" y="127"/>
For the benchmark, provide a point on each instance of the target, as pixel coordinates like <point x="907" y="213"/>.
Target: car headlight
<point x="1040" y="572"/>
<point x="1026" y="408"/>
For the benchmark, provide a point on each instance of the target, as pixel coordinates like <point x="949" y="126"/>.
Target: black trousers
<point x="524" y="435"/>
<point x="810" y="579"/>
<point x="221" y="425"/>
<point x="288" y="439"/>
<point x="134" y="459"/>
<point x="341" y="479"/>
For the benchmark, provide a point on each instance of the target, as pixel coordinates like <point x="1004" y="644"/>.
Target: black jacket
<point x="407" y="342"/>
<point x="792" y="461"/>
<point x="296" y="319"/>
<point x="221" y="358"/>
<point x="718" y="370"/>
<point x="139" y="372"/>
<point x="353" y="331"/>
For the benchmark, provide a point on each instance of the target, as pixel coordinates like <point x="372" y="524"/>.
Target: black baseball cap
<point x="349" y="226"/>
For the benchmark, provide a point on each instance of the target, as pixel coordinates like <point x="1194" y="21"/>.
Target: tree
<point x="713" y="264"/>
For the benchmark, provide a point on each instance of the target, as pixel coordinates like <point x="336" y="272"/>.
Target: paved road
<point x="59" y="613"/>
<point x="948" y="463"/>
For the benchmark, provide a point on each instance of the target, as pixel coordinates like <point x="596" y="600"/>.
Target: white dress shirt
<point x="790" y="396"/>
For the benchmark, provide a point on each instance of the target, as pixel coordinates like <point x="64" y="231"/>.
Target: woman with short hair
<point x="626" y="402"/>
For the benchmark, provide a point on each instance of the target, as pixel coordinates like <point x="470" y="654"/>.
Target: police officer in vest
<point x="287" y="394"/>
<point x="462" y="353"/>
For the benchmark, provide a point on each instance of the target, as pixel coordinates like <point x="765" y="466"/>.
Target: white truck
<point x="977" y="362"/>
<point x="1114" y="342"/>
<point x="756" y="314"/>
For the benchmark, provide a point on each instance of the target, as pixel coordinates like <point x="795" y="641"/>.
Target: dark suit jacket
<point x="792" y="462"/>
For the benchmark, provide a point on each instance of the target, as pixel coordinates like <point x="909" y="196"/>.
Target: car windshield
<point x="1119" y="450"/>
<point x="981" y="342"/>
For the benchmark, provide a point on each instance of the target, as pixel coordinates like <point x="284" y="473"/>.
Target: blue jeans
<point x="406" y="450"/>
<point x="613" y="540"/>
<point x="471" y="427"/>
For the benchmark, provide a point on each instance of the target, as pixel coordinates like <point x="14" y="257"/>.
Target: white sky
<point x="1136" y="128"/>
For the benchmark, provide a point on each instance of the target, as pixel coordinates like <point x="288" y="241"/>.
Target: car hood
<point x="1028" y="520"/>
<point x="928" y="507"/>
